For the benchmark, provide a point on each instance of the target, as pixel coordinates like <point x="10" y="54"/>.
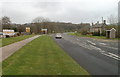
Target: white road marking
<point x="105" y="45"/>
<point x="102" y="43"/>
<point x="91" y="42"/>
<point x="114" y="55"/>
<point x="111" y="47"/>
<point x="109" y="55"/>
<point x="95" y="48"/>
<point x="92" y="46"/>
<point x="101" y="51"/>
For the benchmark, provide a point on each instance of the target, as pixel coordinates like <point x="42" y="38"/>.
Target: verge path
<point x="12" y="48"/>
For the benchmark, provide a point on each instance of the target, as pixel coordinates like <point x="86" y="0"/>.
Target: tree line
<point x="43" y="23"/>
<point x="53" y="27"/>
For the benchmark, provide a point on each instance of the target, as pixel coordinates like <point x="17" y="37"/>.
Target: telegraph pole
<point x="102" y="20"/>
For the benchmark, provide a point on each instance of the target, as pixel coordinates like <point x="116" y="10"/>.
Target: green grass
<point x="42" y="56"/>
<point x="98" y="37"/>
<point x="0" y="42"/>
<point x="7" y="41"/>
<point x="78" y="34"/>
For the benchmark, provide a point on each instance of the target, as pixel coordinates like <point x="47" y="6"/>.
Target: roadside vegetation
<point x="0" y="42"/>
<point x="91" y="36"/>
<point x="42" y="56"/>
<point x="7" y="41"/>
<point x="80" y="35"/>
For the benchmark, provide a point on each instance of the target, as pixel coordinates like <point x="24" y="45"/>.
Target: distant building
<point x="111" y="33"/>
<point x="119" y="13"/>
<point x="28" y="29"/>
<point x="44" y="31"/>
<point x="98" y="27"/>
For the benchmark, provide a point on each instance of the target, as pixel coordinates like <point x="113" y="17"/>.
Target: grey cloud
<point x="68" y="10"/>
<point x="49" y="7"/>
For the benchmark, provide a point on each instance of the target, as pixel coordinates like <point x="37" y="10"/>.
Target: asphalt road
<point x="98" y="57"/>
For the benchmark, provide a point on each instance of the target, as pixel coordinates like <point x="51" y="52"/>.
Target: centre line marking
<point x="103" y="43"/>
<point x="91" y="42"/>
<point x="117" y="58"/>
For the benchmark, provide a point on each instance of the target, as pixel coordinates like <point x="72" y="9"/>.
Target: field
<point x="42" y="56"/>
<point x="7" y="41"/>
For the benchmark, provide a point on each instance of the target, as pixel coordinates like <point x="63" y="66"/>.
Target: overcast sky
<point x="75" y="11"/>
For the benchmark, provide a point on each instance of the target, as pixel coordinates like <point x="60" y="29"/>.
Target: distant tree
<point x="20" y="28"/>
<point x="0" y="25"/>
<point x="40" y="20"/>
<point x="53" y="27"/>
<point x="112" y="19"/>
<point x="15" y="29"/>
<point x="6" y="22"/>
<point x="39" y="23"/>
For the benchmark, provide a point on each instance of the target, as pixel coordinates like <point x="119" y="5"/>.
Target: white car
<point x="58" y="36"/>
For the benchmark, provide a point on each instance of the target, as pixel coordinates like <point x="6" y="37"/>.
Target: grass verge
<point x="42" y="56"/>
<point x="0" y="42"/>
<point x="7" y="41"/>
<point x="98" y="37"/>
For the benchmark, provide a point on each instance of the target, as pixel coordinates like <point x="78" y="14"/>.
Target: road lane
<point x="92" y="44"/>
<point x="89" y="55"/>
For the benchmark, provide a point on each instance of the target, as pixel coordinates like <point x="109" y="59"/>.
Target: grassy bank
<point x="0" y="42"/>
<point x="42" y="56"/>
<point x="78" y="34"/>
<point x="7" y="41"/>
<point x="98" y="37"/>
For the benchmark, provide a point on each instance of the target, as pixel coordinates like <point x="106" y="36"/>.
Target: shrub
<point x="96" y="33"/>
<point x="103" y="33"/>
<point x="84" y="32"/>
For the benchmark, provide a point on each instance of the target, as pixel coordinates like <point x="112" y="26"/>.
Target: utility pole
<point x="119" y="13"/>
<point x="102" y="20"/>
<point x="102" y="27"/>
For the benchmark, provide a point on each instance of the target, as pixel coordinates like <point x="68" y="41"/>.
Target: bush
<point x="96" y="33"/>
<point x="84" y="32"/>
<point x="103" y="33"/>
<point x="7" y="36"/>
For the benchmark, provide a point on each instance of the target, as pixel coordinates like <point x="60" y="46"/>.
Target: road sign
<point x="44" y="31"/>
<point x="8" y="32"/>
<point x="27" y="29"/>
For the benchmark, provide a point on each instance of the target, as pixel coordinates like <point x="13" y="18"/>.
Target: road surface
<point x="98" y="57"/>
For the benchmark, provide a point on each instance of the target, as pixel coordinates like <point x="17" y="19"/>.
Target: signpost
<point x="8" y="32"/>
<point x="44" y="31"/>
<point x="27" y="29"/>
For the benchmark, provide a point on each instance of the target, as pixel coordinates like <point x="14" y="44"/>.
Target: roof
<point x="111" y="29"/>
<point x="98" y="25"/>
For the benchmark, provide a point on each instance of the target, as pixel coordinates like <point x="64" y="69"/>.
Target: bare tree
<point x="112" y="19"/>
<point x="6" y="22"/>
<point x="39" y="23"/>
<point x="40" y="20"/>
<point x="0" y="25"/>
